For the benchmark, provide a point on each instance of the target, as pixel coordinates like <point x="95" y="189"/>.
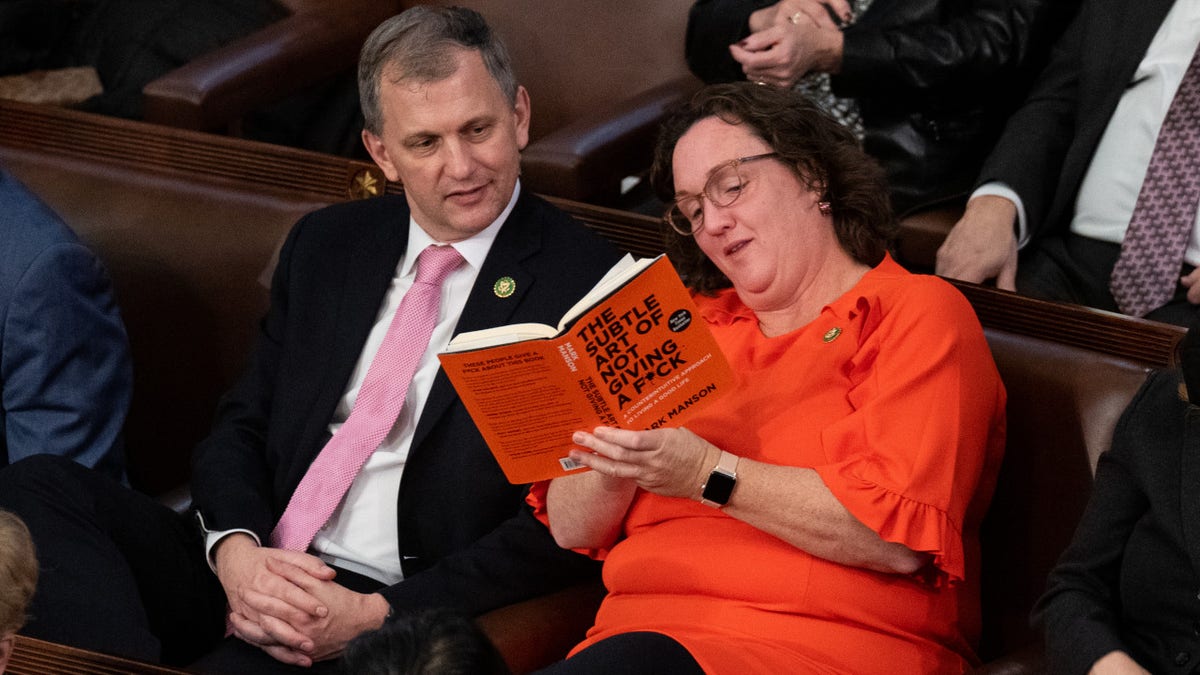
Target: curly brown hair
<point x="824" y="154"/>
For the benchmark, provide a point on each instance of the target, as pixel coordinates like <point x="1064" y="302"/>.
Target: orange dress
<point x="891" y="395"/>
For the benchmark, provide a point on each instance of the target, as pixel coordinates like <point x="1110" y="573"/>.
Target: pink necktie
<point x="375" y="409"/>
<point x="1147" y="271"/>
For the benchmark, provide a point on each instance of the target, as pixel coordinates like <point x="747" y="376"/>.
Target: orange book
<point x="633" y="353"/>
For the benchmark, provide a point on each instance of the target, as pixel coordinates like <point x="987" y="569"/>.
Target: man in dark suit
<point x="1122" y="598"/>
<point x="65" y="373"/>
<point x="429" y="520"/>
<point x="1065" y="176"/>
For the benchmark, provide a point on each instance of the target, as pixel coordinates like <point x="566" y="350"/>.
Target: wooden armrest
<point x="535" y="633"/>
<point x="32" y="656"/>
<point x="219" y="88"/>
<point x="586" y="160"/>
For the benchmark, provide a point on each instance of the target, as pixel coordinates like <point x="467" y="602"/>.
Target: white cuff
<point x="212" y="537"/>
<point x="998" y="189"/>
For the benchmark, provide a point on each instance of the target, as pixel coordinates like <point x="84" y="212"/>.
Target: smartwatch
<point x="717" y="489"/>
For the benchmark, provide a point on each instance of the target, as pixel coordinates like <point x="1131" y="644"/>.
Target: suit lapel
<point x="519" y="238"/>
<point x="1128" y="31"/>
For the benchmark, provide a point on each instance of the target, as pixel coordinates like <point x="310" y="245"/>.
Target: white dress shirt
<point x="1114" y="177"/>
<point x="361" y="535"/>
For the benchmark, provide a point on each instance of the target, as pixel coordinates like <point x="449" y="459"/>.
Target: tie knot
<point x="435" y="262"/>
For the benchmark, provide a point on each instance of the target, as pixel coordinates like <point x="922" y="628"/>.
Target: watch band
<point x="721" y="480"/>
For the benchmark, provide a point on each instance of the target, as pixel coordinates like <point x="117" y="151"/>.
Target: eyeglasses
<point x="724" y="186"/>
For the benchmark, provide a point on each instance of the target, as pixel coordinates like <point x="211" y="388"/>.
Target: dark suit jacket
<point x="1048" y="144"/>
<point x="1129" y="579"/>
<point x="65" y="372"/>
<point x="467" y="540"/>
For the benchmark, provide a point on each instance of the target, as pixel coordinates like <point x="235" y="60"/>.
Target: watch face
<point x="719" y="487"/>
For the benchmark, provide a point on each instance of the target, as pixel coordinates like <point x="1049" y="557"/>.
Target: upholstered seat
<point x="600" y="79"/>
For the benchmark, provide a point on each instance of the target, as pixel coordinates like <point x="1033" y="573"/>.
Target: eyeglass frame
<point x="703" y="194"/>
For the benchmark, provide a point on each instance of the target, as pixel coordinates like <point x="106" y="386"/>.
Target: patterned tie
<point x="1147" y="271"/>
<point x="375" y="409"/>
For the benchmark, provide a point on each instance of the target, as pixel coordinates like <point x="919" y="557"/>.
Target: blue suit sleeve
<point x="65" y="365"/>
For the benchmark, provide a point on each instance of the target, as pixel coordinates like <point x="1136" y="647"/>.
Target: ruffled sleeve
<point x="916" y="460"/>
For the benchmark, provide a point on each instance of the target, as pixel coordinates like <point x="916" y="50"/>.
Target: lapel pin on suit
<point x="504" y="287"/>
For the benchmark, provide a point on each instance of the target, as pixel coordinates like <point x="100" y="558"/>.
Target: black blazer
<point x="467" y="540"/>
<point x="1130" y="578"/>
<point x="1048" y="144"/>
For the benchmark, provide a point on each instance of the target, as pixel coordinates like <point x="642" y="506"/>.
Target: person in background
<point x="66" y="378"/>
<point x="1096" y="180"/>
<point x="824" y="515"/>
<point x="1122" y="599"/>
<point x="926" y="86"/>
<point x="426" y="642"/>
<point x="18" y="580"/>
<point x="343" y="480"/>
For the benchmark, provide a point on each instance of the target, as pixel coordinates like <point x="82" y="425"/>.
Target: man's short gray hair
<point x="418" y="44"/>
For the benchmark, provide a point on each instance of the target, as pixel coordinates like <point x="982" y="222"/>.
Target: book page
<point x="624" y="269"/>
<point x="642" y="358"/>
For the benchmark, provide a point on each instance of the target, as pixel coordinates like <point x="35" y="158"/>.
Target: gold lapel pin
<point x="504" y="287"/>
<point x="832" y="334"/>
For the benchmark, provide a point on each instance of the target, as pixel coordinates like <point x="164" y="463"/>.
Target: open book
<point x="633" y="353"/>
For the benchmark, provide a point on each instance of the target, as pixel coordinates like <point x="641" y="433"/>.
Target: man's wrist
<point x="213" y="538"/>
<point x="228" y="544"/>
<point x="378" y="611"/>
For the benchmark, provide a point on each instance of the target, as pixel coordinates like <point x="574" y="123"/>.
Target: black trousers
<point x="640" y="653"/>
<point x="119" y="572"/>
<point x="1076" y="269"/>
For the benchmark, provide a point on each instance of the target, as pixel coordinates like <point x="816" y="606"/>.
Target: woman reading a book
<point x="823" y="515"/>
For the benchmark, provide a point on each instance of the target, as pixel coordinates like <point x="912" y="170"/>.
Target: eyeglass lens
<point x="722" y="189"/>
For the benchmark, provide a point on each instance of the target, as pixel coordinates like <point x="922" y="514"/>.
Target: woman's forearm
<point x="586" y="510"/>
<point x="794" y="504"/>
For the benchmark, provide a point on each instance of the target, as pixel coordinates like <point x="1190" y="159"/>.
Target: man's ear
<point x="380" y="154"/>
<point x="523" y="113"/>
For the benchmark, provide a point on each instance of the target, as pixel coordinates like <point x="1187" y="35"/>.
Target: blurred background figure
<point x="1123" y="596"/>
<point x="429" y="642"/>
<point x="1096" y="180"/>
<point x="66" y="377"/>
<point x="926" y="86"/>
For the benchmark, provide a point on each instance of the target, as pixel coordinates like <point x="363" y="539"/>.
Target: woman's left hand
<point x="667" y="462"/>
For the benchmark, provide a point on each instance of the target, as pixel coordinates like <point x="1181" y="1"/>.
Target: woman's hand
<point x="820" y="12"/>
<point x="786" y="52"/>
<point x="790" y="40"/>
<point x="667" y="462"/>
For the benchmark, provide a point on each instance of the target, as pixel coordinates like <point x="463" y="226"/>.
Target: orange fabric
<point x="902" y="416"/>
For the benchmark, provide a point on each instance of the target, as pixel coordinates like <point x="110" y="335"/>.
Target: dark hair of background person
<point x="417" y="45"/>
<point x="431" y="642"/>
<point x="824" y="154"/>
<point x="18" y="572"/>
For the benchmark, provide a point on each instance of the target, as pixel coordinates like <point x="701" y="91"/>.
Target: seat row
<point x="188" y="223"/>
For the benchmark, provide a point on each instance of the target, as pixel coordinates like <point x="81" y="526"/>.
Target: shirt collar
<point x="474" y="249"/>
